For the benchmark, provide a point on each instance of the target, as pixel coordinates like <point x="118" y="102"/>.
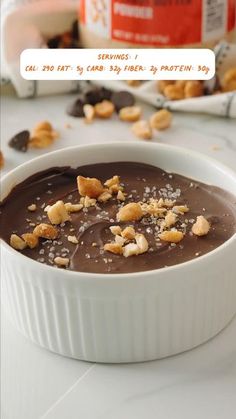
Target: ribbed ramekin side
<point x="130" y="328"/>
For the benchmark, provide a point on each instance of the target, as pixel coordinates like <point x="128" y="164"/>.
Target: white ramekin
<point x="123" y="317"/>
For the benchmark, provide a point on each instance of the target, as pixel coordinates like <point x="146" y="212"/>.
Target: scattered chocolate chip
<point x="76" y="108"/>
<point x="93" y="96"/>
<point x="54" y="42"/>
<point x="122" y="99"/>
<point x="105" y="93"/>
<point x="75" y="30"/>
<point x="20" y="141"/>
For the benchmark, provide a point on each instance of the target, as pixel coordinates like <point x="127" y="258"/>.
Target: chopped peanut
<point x="180" y="209"/>
<point x="1" y="160"/>
<point x="89" y="113"/>
<point x="31" y="240"/>
<point x="43" y="126"/>
<point x="193" y="88"/>
<point x="171" y="236"/>
<point x="105" y="196"/>
<point x="229" y="80"/>
<point x="120" y="240"/>
<point x="142" y="130"/>
<point x="104" y="109"/>
<point x="174" y="92"/>
<point x="73" y="207"/>
<point x="161" y="84"/>
<point x="161" y="120"/>
<point x="120" y="196"/>
<point x="115" y="180"/>
<point x="130" y="212"/>
<point x="170" y="219"/>
<point x="130" y="113"/>
<point x="41" y="139"/>
<point x="57" y="213"/>
<point x="201" y="227"/>
<point x="130" y="249"/>
<point x="115" y="230"/>
<point x="32" y="207"/>
<point x="72" y="239"/>
<point x="133" y="83"/>
<point x="141" y="243"/>
<point x="46" y="231"/>
<point x="91" y="187"/>
<point x="115" y="248"/>
<point x="88" y="202"/>
<point x="128" y="233"/>
<point x="63" y="262"/>
<point x="17" y="242"/>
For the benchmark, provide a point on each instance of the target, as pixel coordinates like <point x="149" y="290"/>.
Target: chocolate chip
<point x="105" y="93"/>
<point x="76" y="108"/>
<point x="20" y="141"/>
<point x="75" y="30"/>
<point x="93" y="96"/>
<point x="122" y="99"/>
<point x="54" y="42"/>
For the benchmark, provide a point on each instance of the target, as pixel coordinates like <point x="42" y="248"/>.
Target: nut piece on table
<point x="162" y="84"/>
<point x="201" y="227"/>
<point x="43" y="126"/>
<point x="161" y="120"/>
<point x="1" y="160"/>
<point x="31" y="240"/>
<point x="17" y="242"/>
<point x="115" y="248"/>
<point x="142" y="130"/>
<point x="229" y="80"/>
<point x="63" y="262"/>
<point x="91" y="187"/>
<point x="130" y="113"/>
<point x="57" y="213"/>
<point x="89" y="113"/>
<point x="193" y="88"/>
<point x="41" y="139"/>
<point x="134" y="83"/>
<point x="174" y="92"/>
<point x="46" y="231"/>
<point x="130" y="212"/>
<point x="171" y="236"/>
<point x="104" y="109"/>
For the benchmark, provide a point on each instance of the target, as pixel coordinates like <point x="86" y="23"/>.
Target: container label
<point x="159" y="22"/>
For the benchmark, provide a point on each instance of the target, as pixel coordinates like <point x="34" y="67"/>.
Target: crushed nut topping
<point x="32" y="207"/>
<point x="57" y="213"/>
<point x="123" y="244"/>
<point x="172" y="236"/>
<point x="31" y="240"/>
<point x="73" y="207"/>
<point x="91" y="187"/>
<point x="201" y="227"/>
<point x="17" y="242"/>
<point x="46" y="231"/>
<point x="61" y="261"/>
<point x="72" y="239"/>
<point x="130" y="212"/>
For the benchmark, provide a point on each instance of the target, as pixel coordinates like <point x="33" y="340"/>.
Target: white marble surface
<point x="39" y="384"/>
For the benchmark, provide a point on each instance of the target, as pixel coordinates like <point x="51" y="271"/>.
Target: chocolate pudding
<point x="115" y="218"/>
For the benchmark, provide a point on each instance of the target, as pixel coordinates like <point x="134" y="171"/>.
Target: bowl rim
<point x="73" y="275"/>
